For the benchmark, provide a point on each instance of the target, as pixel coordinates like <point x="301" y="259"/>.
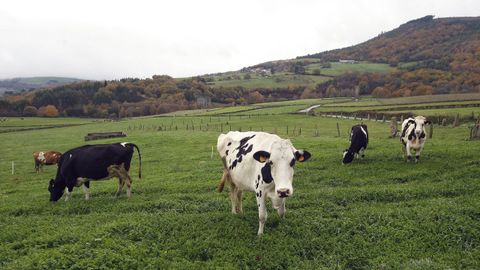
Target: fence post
<point x="456" y="121"/>
<point x="430" y="134"/>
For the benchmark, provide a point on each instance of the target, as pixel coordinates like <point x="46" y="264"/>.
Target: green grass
<point x="34" y="123"/>
<point x="339" y="68"/>
<point x="280" y="80"/>
<point x="376" y="213"/>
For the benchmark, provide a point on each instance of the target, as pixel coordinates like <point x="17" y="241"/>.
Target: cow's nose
<point x="283" y="192"/>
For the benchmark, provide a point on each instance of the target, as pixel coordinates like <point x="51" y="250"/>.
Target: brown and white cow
<point x="259" y="162"/>
<point x="413" y="136"/>
<point x="45" y="158"/>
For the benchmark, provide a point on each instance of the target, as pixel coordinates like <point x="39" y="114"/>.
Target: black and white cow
<point x="358" y="143"/>
<point x="93" y="162"/>
<point x="259" y="162"/>
<point x="413" y="136"/>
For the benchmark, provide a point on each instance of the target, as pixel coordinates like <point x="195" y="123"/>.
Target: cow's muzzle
<point x="283" y="192"/>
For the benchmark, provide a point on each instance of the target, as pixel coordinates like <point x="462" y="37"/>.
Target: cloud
<point x="115" y="39"/>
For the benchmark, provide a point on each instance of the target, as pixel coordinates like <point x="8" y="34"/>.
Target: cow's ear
<point x="427" y="122"/>
<point x="302" y="155"/>
<point x="261" y="156"/>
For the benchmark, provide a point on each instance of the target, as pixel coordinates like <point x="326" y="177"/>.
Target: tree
<point x="247" y="76"/>
<point x="331" y="91"/>
<point x="381" y="92"/>
<point x="255" y="97"/>
<point x="30" y="111"/>
<point x="51" y="111"/>
<point x="103" y="97"/>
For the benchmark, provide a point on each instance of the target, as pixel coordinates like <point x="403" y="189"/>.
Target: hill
<point x="432" y="56"/>
<point x="421" y="57"/>
<point x="417" y="40"/>
<point x="28" y="83"/>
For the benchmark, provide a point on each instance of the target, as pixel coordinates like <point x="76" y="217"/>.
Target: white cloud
<point x="114" y="39"/>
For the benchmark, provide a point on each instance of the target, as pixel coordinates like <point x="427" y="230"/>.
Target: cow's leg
<point x="121" y="183"/>
<point x="262" y="211"/>
<point x="123" y="178"/>
<point x="279" y="204"/>
<point x="239" y="201"/>
<point x="233" y="197"/>
<point x="37" y="168"/>
<point x="86" y="190"/>
<point x="68" y="191"/>
<point x="362" y="152"/>
<point x="409" y="153"/>
<point x="417" y="153"/>
<point x="128" y="181"/>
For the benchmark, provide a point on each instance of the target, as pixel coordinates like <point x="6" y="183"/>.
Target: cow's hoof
<point x="409" y="158"/>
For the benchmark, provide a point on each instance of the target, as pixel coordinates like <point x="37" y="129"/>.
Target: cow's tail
<point x="139" y="160"/>
<point x="225" y="176"/>
<point x="221" y="185"/>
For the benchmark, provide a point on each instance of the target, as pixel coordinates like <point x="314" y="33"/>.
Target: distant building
<point x="347" y="61"/>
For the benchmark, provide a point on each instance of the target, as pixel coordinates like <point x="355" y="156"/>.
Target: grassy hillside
<point x="376" y="213"/>
<point x="27" y="83"/>
<point x="417" y="40"/>
<point x="314" y="74"/>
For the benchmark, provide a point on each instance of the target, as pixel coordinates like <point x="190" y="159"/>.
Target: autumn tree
<point x="30" y="111"/>
<point x="381" y="92"/>
<point x="255" y="97"/>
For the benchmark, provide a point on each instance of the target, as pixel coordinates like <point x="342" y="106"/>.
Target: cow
<point x="80" y="165"/>
<point x="258" y="162"/>
<point x="45" y="158"/>
<point x="413" y="136"/>
<point x="358" y="143"/>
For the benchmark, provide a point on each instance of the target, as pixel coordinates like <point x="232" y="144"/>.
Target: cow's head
<point x="56" y="191"/>
<point x="279" y="163"/>
<point x="348" y="156"/>
<point x="56" y="157"/>
<point x="420" y="123"/>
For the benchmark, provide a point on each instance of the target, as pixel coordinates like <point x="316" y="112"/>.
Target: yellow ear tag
<point x="301" y="158"/>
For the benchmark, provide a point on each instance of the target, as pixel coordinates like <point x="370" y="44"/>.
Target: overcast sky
<point x="112" y="39"/>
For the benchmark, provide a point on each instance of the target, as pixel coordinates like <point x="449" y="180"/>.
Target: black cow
<point x="359" y="142"/>
<point x="93" y="162"/>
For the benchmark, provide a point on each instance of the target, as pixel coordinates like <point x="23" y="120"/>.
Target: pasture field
<point x="274" y="81"/>
<point x="33" y="123"/>
<point x="341" y="68"/>
<point x="285" y="79"/>
<point x="376" y="213"/>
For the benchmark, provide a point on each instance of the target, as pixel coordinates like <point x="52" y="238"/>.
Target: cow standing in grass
<point x="93" y="162"/>
<point x="358" y="143"/>
<point x="413" y="136"/>
<point x="45" y="158"/>
<point x="259" y="162"/>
